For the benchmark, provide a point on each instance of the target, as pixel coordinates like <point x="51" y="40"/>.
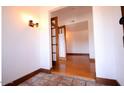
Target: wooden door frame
<point x="122" y="12"/>
<point x="57" y="49"/>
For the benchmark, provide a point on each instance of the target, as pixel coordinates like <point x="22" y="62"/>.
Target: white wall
<point x="1" y="45"/>
<point x="119" y="50"/>
<point x="45" y="37"/>
<point x="109" y="50"/>
<point x="77" y="42"/>
<point x="91" y="36"/>
<point x="24" y="49"/>
<point x="62" y="47"/>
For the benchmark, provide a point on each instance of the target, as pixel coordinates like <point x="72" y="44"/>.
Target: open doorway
<point x="74" y="51"/>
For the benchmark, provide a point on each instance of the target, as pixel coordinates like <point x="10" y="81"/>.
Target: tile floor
<point x="44" y="79"/>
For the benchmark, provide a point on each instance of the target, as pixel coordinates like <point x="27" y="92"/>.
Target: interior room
<point x="49" y="46"/>
<point x="75" y="43"/>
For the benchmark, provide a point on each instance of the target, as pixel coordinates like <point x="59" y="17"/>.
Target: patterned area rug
<point x="44" y="79"/>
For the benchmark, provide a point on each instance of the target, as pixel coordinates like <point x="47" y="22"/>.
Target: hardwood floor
<point x="76" y="65"/>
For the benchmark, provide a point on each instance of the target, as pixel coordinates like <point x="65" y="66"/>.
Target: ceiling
<point x="81" y="26"/>
<point x="73" y="10"/>
<point x="71" y="14"/>
<point x="74" y="17"/>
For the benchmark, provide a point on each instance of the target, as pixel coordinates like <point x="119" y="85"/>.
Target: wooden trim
<point x="77" y="54"/>
<point x="110" y="82"/>
<point x="53" y="52"/>
<point x="54" y="44"/>
<point x="62" y="58"/>
<point x="118" y="84"/>
<point x="53" y="36"/>
<point x="56" y="31"/>
<point x="122" y="10"/>
<point x="53" y="64"/>
<point x="45" y="70"/>
<point x="92" y="60"/>
<point x="65" y="38"/>
<point x="24" y="78"/>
